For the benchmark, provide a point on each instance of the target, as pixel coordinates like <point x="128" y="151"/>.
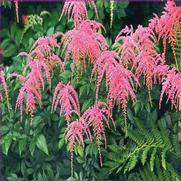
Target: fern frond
<point x="163" y="159"/>
<point x="144" y="155"/>
<point x="152" y="159"/>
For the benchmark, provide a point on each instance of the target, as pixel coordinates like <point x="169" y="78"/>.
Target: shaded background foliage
<point x="39" y="153"/>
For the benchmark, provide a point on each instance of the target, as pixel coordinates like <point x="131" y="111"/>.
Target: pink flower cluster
<point x="119" y="80"/>
<point x="94" y="117"/>
<point x="39" y="64"/>
<point x="85" y="43"/>
<point x="77" y="10"/>
<point x="165" y="25"/>
<point x="3" y="83"/>
<point x="138" y="50"/>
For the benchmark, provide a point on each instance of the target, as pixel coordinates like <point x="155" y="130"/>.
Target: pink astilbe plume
<point x="138" y="50"/>
<point x="96" y="116"/>
<point x="119" y="80"/>
<point x="41" y="59"/>
<point x="30" y="90"/>
<point x="171" y="87"/>
<point x="16" y="2"/>
<point x="66" y="97"/>
<point x="3" y="82"/>
<point x="38" y="66"/>
<point x="84" y="43"/>
<point x="43" y="51"/>
<point x="43" y="45"/>
<point x="165" y="25"/>
<point x="77" y="10"/>
<point x="75" y="134"/>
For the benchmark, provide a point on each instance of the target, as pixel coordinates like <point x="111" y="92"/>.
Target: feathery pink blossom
<point x="165" y="25"/>
<point x="41" y="59"/>
<point x="138" y="49"/>
<point x="75" y="134"/>
<point x="119" y="81"/>
<point x="171" y="87"/>
<point x="30" y="90"/>
<point x="3" y="82"/>
<point x="44" y="45"/>
<point x="77" y="10"/>
<point x="66" y="97"/>
<point x="84" y="43"/>
<point x="16" y="2"/>
<point x="96" y="116"/>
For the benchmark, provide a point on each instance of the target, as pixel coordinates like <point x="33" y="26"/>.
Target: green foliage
<point x="39" y="152"/>
<point x="147" y="143"/>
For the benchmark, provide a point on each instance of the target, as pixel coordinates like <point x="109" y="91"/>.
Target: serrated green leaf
<point x="7" y="143"/>
<point x="86" y="104"/>
<point x="61" y="143"/>
<point x="144" y="155"/>
<point x="9" y="51"/>
<point x="22" y="145"/>
<point x="66" y="75"/>
<point x="132" y="162"/>
<point x="42" y="144"/>
<point x="32" y="146"/>
<point x="80" y="150"/>
<point x="5" y="43"/>
<point x="163" y="159"/>
<point x="50" y="31"/>
<point x="152" y="159"/>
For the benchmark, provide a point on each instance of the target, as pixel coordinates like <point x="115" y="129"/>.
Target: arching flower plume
<point x="4" y="85"/>
<point x="171" y="87"/>
<point x="119" y="81"/>
<point x="96" y="116"/>
<point x="44" y="45"/>
<point x="16" y="2"/>
<point x="75" y="134"/>
<point x="138" y="49"/>
<point x="38" y="66"/>
<point x="84" y="43"/>
<point x="40" y="63"/>
<point x="165" y="26"/>
<point x="31" y="86"/>
<point x="43" y="50"/>
<point x="66" y="97"/>
<point x="77" y="10"/>
<point x="31" y="91"/>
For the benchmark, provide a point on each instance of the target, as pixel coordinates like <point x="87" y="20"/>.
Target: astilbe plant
<point x="94" y="117"/>
<point x="84" y="43"/>
<point x="165" y="26"/>
<point x="75" y="134"/>
<point x="66" y="97"/>
<point x="4" y="85"/>
<point x="171" y="87"/>
<point x="40" y="63"/>
<point x="138" y="50"/>
<point x="119" y="80"/>
<point x="77" y="10"/>
<point x="16" y="2"/>
<point x="31" y="87"/>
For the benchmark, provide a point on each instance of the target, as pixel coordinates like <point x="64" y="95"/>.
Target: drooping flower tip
<point x="67" y="99"/>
